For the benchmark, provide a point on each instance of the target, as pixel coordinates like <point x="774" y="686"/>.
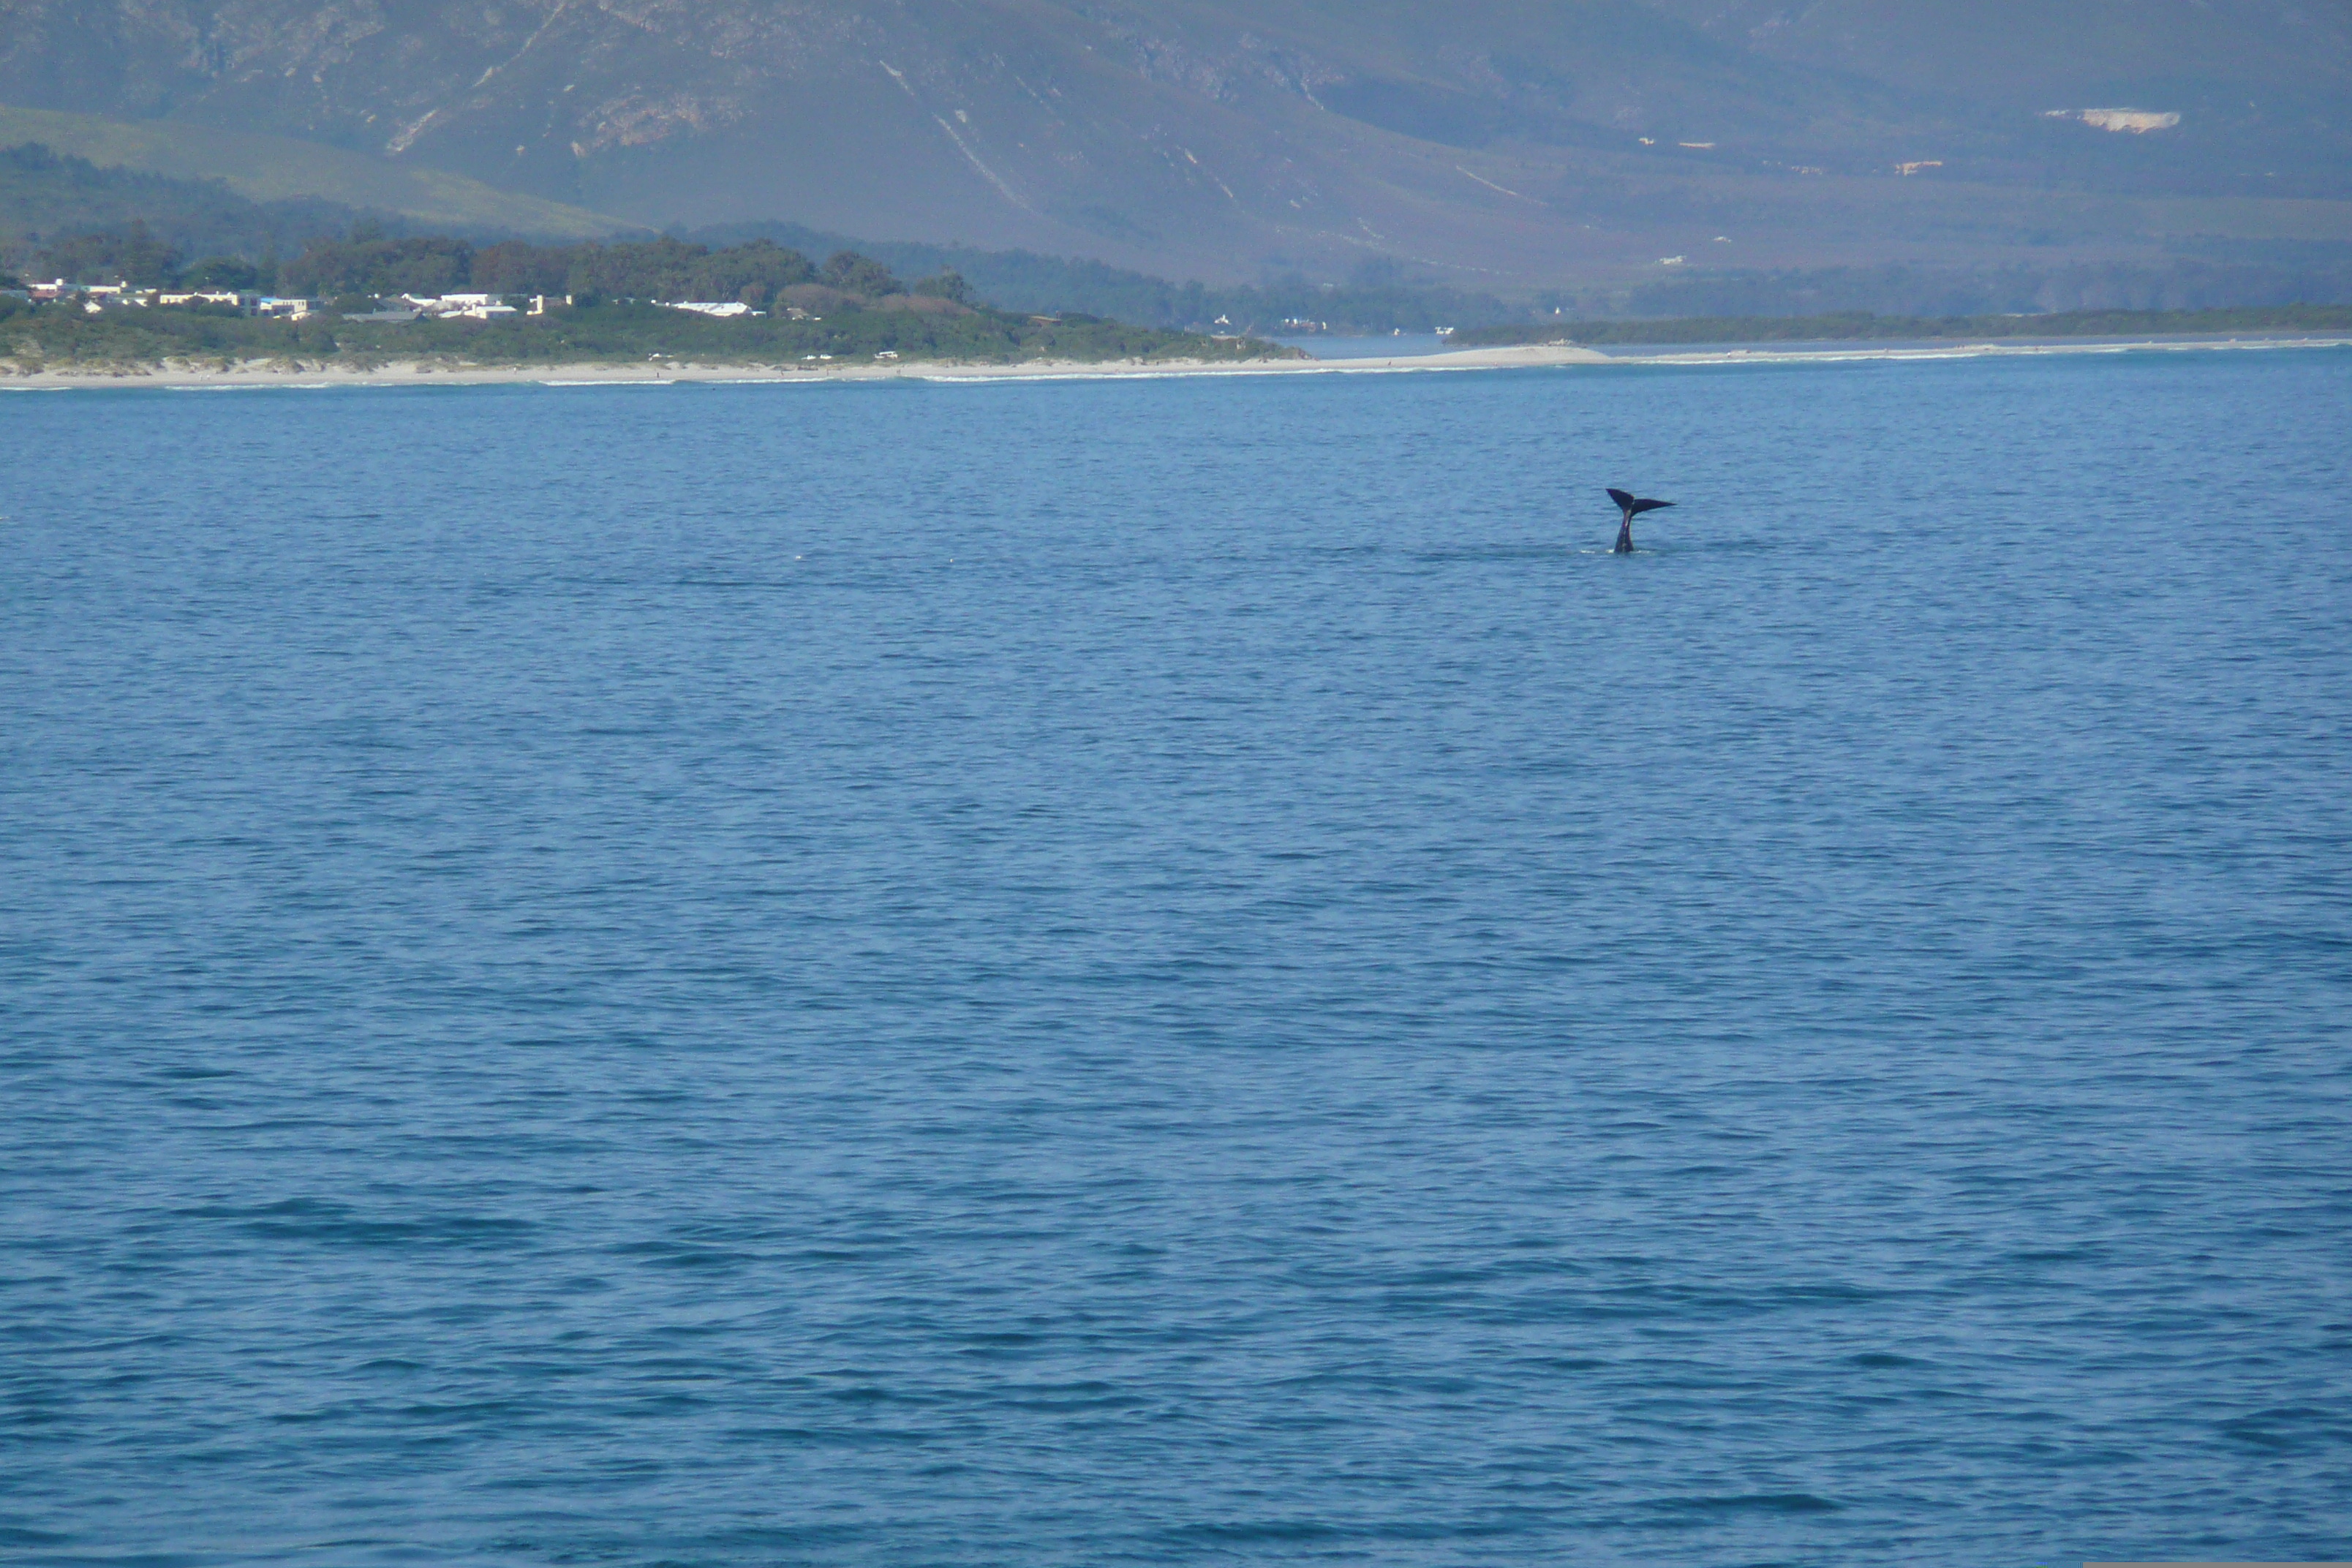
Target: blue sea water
<point x="1181" y="971"/>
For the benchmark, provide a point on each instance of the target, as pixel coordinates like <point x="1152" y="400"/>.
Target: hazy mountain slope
<point x="279" y="169"/>
<point x="2263" y="87"/>
<point x="1508" y="142"/>
<point x="2031" y="54"/>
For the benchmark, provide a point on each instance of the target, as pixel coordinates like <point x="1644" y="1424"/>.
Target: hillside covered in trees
<point x="753" y="273"/>
<point x="593" y="303"/>
<point x="370" y="265"/>
<point x="65" y="217"/>
<point x="69" y="214"/>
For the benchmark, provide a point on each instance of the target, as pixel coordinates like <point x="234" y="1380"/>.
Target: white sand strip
<point x="308" y="375"/>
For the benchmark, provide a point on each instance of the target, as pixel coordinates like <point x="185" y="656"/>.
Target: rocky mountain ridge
<point x="1507" y="143"/>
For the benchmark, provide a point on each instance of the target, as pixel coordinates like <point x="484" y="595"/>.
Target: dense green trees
<point x="661" y="270"/>
<point x="65" y="333"/>
<point x="668" y="269"/>
<point x="221" y="272"/>
<point x="368" y="263"/>
<point x="949" y="285"/>
<point x="131" y="255"/>
<point x="854" y="274"/>
<point x="47" y="200"/>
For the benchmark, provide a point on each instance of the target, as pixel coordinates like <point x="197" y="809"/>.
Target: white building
<point x="478" y="307"/>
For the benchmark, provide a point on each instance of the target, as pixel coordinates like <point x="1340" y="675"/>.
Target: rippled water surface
<point x="1182" y="971"/>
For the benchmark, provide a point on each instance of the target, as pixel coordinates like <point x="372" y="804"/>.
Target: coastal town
<point x="98" y="296"/>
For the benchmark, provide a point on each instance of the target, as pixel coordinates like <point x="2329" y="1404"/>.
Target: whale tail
<point x="1633" y="505"/>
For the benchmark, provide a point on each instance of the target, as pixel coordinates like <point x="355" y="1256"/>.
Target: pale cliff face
<point x="1504" y="141"/>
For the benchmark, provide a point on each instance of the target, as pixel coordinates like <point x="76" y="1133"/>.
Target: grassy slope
<point x="64" y="336"/>
<point x="44" y="199"/>
<point x="1854" y="326"/>
<point x="273" y="168"/>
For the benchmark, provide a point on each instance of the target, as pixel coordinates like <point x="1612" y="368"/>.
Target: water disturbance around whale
<point x="1632" y="507"/>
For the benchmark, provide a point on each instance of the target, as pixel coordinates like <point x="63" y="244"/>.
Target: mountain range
<point x="1505" y="144"/>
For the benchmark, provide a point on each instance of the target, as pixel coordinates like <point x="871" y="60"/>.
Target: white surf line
<point x="1758" y="355"/>
<point x="1466" y="360"/>
<point x="1183" y="372"/>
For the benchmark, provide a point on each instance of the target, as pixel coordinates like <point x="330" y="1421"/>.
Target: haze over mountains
<point x="1506" y="144"/>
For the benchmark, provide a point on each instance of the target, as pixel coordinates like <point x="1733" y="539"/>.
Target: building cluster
<point x="466" y="306"/>
<point x="97" y="297"/>
<point x="478" y="307"/>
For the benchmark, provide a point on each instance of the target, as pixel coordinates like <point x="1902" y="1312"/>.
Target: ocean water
<point x="1181" y="971"/>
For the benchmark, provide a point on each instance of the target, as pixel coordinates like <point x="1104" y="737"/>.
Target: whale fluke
<point x="1632" y="506"/>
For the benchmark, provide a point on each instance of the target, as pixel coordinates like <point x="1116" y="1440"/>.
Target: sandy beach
<point x="665" y="372"/>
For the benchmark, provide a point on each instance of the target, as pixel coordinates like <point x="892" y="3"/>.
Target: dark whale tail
<point x="1632" y="507"/>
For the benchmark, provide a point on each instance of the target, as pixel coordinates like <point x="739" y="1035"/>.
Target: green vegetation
<point x="850" y="308"/>
<point x="664" y="268"/>
<point x="66" y="216"/>
<point x="63" y="215"/>
<point x="1381" y="296"/>
<point x="269" y="169"/>
<point x="751" y="256"/>
<point x="1860" y="325"/>
<point x="65" y="335"/>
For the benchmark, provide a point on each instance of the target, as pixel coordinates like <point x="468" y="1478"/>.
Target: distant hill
<point x="65" y="216"/>
<point x="46" y="198"/>
<point x="1380" y="296"/>
<point x="1499" y="145"/>
<point x="275" y="169"/>
<point x="1377" y="298"/>
<point x="1495" y="147"/>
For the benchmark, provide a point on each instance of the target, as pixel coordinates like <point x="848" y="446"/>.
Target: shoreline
<point x="410" y="373"/>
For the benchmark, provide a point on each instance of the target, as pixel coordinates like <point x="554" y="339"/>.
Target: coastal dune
<point x="428" y="373"/>
<point x="422" y="373"/>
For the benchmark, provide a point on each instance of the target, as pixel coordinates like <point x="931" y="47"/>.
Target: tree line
<point x="369" y="262"/>
<point x="60" y="334"/>
<point x="66" y="216"/>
